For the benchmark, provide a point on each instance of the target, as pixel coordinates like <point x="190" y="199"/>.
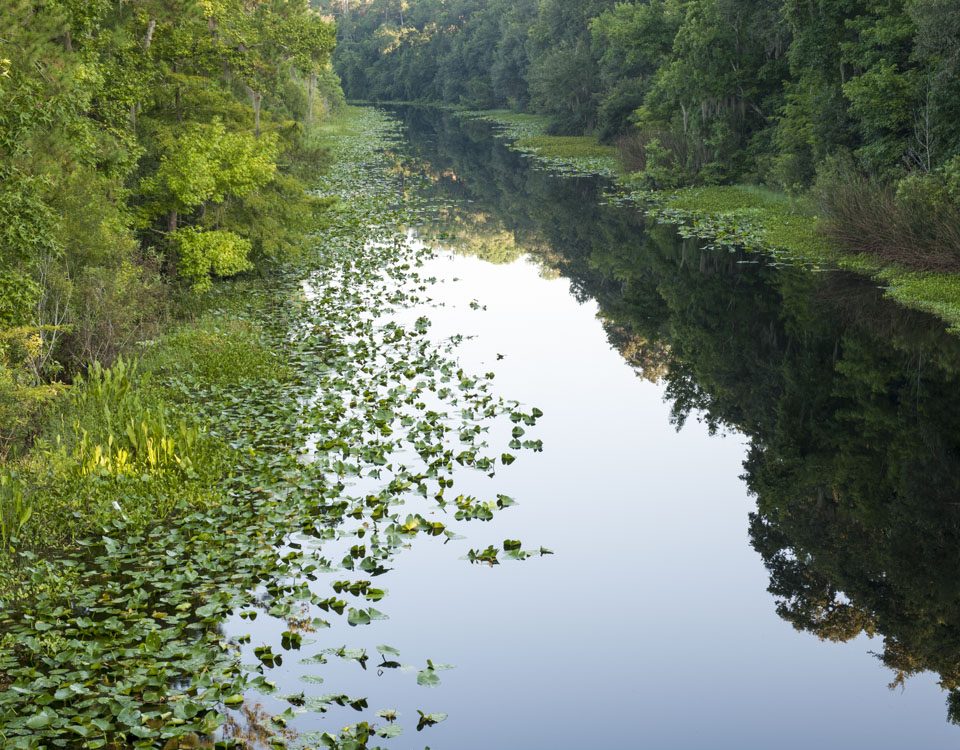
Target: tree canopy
<point x="706" y="90"/>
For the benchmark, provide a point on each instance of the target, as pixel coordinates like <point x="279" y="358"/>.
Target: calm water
<point x="818" y="457"/>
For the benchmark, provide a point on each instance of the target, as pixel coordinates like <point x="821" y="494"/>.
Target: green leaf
<point x="40" y="720"/>
<point x="428" y="678"/>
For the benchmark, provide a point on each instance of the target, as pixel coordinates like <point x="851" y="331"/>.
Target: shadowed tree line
<point x="701" y="90"/>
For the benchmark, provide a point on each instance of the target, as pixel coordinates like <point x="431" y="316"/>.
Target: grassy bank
<point x="145" y="510"/>
<point x="789" y="228"/>
<point x="565" y="154"/>
<point x="754" y="217"/>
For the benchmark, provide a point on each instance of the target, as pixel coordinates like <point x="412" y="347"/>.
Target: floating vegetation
<point x="335" y="468"/>
<point x="573" y="156"/>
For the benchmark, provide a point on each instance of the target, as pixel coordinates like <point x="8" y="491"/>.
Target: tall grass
<point x="913" y="226"/>
<point x="16" y="509"/>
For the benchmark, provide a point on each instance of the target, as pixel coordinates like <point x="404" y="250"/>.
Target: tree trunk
<point x="172" y="221"/>
<point x="257" y="98"/>
<point x="148" y="37"/>
<point x="311" y="93"/>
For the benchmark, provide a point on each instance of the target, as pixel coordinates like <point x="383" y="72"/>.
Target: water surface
<point x="817" y="457"/>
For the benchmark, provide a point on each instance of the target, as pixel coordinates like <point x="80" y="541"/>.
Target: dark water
<point x="783" y="571"/>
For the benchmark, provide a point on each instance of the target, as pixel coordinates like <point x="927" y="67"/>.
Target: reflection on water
<point x="849" y="406"/>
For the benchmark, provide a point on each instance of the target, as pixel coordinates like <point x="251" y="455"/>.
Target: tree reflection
<point x="850" y="403"/>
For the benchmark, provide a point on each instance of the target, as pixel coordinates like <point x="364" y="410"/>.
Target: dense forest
<point x="145" y="148"/>
<point x="863" y="95"/>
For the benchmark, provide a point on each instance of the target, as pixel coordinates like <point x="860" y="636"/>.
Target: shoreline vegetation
<point x="145" y="152"/>
<point x="172" y="487"/>
<point x="199" y="242"/>
<point x="142" y="512"/>
<point x="170" y="174"/>
<point x="750" y="216"/>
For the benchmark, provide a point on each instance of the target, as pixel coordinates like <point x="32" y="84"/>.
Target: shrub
<point x="203" y="255"/>
<point x="23" y="398"/>
<point x="112" y="308"/>
<point x="915" y="224"/>
<point x="659" y="153"/>
<point x="277" y="220"/>
<point x="16" y="509"/>
<point x="632" y="152"/>
<point x="662" y="170"/>
<point x="118" y="449"/>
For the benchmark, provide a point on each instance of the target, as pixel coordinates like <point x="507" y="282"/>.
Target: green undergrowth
<point x="787" y="228"/>
<point x="215" y="476"/>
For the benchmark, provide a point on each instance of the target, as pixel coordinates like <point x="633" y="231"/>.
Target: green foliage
<point x="205" y="254"/>
<point x="205" y="163"/>
<point x="161" y="531"/>
<point x="23" y="396"/>
<point x="528" y="134"/>
<point x="114" y="425"/>
<point x="16" y="509"/>
<point x="631" y="41"/>
<point x="715" y="90"/>
<point x="279" y="219"/>
<point x="127" y="129"/>
<point x="114" y="448"/>
<point x="916" y="226"/>
<point x="220" y="351"/>
<point x="460" y="52"/>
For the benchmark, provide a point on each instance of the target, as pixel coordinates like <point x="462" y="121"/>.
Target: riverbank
<point x="172" y="492"/>
<point x="753" y="217"/>
<point x="144" y="512"/>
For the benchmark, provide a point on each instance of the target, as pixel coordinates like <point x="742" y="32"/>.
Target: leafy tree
<point x="631" y="42"/>
<point x="133" y="156"/>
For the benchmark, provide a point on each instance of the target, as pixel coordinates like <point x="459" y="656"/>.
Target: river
<point x="714" y="425"/>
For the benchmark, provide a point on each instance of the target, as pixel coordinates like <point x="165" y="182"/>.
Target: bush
<point x="16" y="509"/>
<point x="112" y="309"/>
<point x="660" y="153"/>
<point x="662" y="170"/>
<point x="116" y="450"/>
<point x="915" y="224"/>
<point x="276" y="220"/>
<point x="23" y="399"/>
<point x="307" y="156"/>
<point x="203" y="255"/>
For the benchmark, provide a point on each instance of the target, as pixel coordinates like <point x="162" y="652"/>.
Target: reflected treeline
<point x="851" y="404"/>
